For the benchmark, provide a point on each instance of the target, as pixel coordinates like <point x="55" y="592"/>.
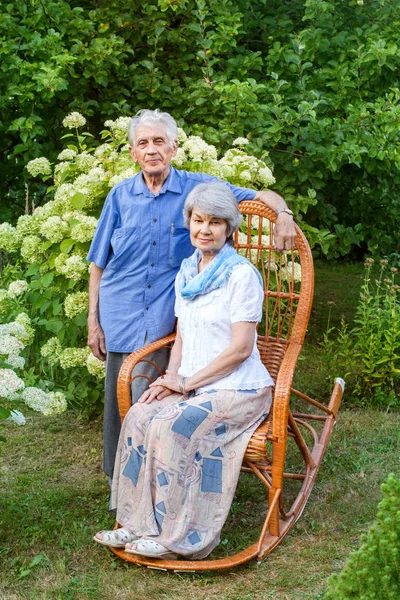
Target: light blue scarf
<point x="214" y="276"/>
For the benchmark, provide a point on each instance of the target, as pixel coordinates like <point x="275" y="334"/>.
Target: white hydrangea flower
<point x="39" y="166"/>
<point x="52" y="350"/>
<point x="13" y="328"/>
<point x="182" y="137"/>
<point x="75" y="266"/>
<point x="84" y="230"/>
<point x="50" y="209"/>
<point x="8" y="237"/>
<point x="16" y="362"/>
<point x="103" y="151"/>
<point x="74" y="120"/>
<point x="34" y="398"/>
<point x="293" y="271"/>
<point x="242" y="237"/>
<point x="60" y="169"/>
<point x="226" y="171"/>
<point x="265" y="175"/>
<point x="95" y="366"/>
<point x="179" y="159"/>
<point x="271" y="262"/>
<point x="54" y="229"/>
<point x="109" y="123"/>
<point x="120" y="126"/>
<point x="46" y="403"/>
<point x="97" y="174"/>
<point x="74" y="357"/>
<point x="27" y="225"/>
<point x="90" y="185"/>
<point x="10" y="345"/>
<point x="238" y="159"/>
<point x="59" y="263"/>
<point x="17" y="417"/>
<point x="85" y="161"/>
<point x="75" y="304"/>
<point x="3" y="295"/>
<point x="28" y="334"/>
<point x="67" y="154"/>
<point x="240" y="141"/>
<point x="17" y="288"/>
<point x="63" y="196"/>
<point x="246" y="175"/>
<point x="56" y="404"/>
<point x="10" y="383"/>
<point x="197" y="149"/>
<point x="121" y="176"/>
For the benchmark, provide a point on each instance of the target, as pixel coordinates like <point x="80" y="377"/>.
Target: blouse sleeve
<point x="178" y="298"/>
<point x="245" y="295"/>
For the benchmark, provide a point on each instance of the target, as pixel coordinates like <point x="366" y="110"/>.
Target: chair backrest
<point x="288" y="283"/>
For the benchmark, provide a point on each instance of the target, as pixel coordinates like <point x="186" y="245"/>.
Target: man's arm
<point x="285" y="233"/>
<point x="96" y="339"/>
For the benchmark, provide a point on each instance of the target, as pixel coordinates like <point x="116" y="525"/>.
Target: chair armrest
<point x="125" y="374"/>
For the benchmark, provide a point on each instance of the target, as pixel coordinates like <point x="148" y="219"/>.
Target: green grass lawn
<point x="54" y="498"/>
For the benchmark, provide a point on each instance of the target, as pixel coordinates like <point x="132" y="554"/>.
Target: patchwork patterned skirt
<point x="178" y="463"/>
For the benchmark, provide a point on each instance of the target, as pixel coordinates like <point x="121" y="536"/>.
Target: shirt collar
<point x="172" y="184"/>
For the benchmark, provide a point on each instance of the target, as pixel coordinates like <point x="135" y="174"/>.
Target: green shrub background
<point x="314" y="82"/>
<point x="373" y="571"/>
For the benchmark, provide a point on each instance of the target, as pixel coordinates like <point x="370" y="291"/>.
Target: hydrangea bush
<point x="15" y="336"/>
<point x="47" y="275"/>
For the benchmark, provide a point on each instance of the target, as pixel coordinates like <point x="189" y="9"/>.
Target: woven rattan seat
<point x="288" y="447"/>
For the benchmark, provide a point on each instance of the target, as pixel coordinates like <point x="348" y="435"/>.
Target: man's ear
<point x="132" y="153"/>
<point x="175" y="147"/>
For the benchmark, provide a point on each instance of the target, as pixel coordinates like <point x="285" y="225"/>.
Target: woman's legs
<point x="178" y="465"/>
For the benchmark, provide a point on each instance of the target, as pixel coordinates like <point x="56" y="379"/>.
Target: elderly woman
<point x="182" y="444"/>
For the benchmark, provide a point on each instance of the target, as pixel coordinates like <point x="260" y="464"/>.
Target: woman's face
<point x="207" y="233"/>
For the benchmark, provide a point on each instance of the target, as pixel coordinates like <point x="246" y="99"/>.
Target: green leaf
<point x="54" y="325"/>
<point x="67" y="245"/>
<point x="80" y="320"/>
<point x="4" y="413"/>
<point x="78" y="200"/>
<point x="46" y="245"/>
<point x="32" y="270"/>
<point x="47" y="278"/>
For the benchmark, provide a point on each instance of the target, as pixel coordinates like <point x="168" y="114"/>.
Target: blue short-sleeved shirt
<point x="140" y="242"/>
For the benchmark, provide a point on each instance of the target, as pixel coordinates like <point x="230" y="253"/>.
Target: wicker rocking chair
<point x="287" y="449"/>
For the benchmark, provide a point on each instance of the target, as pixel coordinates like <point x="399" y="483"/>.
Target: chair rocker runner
<point x="286" y="450"/>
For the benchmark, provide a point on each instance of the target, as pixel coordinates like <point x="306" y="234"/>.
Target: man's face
<point x="152" y="149"/>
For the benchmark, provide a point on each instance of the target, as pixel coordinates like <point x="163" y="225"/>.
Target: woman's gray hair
<point x="153" y="116"/>
<point x="217" y="200"/>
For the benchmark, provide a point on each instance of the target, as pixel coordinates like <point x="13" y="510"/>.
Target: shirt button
<point x="152" y="265"/>
<point x="155" y="220"/>
<point x="154" y="243"/>
<point x="147" y="308"/>
<point x="149" y="286"/>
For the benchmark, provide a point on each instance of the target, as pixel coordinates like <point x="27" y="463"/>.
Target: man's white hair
<point x="155" y="117"/>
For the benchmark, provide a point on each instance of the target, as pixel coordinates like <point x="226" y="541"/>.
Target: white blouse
<point x="205" y="324"/>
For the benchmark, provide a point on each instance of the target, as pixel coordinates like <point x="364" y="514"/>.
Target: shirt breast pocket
<point x="179" y="246"/>
<point x="125" y="245"/>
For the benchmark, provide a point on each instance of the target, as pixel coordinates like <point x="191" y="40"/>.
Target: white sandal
<point x="149" y="548"/>
<point x="117" y="538"/>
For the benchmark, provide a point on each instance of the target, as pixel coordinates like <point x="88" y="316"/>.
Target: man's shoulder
<point x="196" y="177"/>
<point x="123" y="185"/>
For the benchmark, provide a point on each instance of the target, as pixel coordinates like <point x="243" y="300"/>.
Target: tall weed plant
<point x="369" y="353"/>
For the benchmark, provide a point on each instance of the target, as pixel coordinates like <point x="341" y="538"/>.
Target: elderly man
<point x="137" y="249"/>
